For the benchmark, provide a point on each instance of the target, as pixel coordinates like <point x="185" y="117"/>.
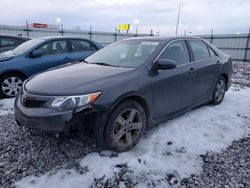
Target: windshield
<point x="26" y="46"/>
<point x="130" y="53"/>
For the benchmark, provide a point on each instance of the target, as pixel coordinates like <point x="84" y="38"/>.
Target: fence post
<point x="27" y="28"/>
<point x="151" y="32"/>
<point x="115" y="34"/>
<point x="61" y="32"/>
<point x="61" y="29"/>
<point x="211" y="36"/>
<point x="246" y="49"/>
<point x="90" y="32"/>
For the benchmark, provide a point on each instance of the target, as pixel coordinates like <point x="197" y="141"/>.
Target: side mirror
<point x="164" y="64"/>
<point x="36" y="53"/>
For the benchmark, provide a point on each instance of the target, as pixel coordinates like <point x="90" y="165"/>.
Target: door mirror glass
<point x="36" y="53"/>
<point x="164" y="64"/>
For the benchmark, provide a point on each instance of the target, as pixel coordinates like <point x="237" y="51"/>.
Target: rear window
<point x="199" y="49"/>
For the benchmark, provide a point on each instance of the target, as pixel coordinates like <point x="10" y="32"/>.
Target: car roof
<point x="15" y="36"/>
<point x="162" y="38"/>
<point x="61" y="37"/>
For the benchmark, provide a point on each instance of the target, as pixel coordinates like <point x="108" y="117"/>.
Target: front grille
<point x="33" y="103"/>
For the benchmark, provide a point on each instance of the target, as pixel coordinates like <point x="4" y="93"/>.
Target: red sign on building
<point x="40" y="25"/>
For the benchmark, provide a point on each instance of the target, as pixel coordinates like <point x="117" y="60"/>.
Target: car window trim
<point x="172" y="41"/>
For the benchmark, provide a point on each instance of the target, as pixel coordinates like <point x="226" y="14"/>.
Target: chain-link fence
<point x="101" y="37"/>
<point x="237" y="45"/>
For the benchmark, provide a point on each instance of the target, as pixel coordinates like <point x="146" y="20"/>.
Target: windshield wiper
<point x="104" y="64"/>
<point x="85" y="61"/>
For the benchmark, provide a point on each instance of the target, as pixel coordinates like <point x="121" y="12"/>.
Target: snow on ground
<point x="6" y="106"/>
<point x="173" y="147"/>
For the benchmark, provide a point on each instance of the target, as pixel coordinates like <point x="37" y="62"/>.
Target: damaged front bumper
<point x="51" y="120"/>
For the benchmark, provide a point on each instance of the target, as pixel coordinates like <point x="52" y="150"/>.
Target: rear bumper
<point x="50" y="120"/>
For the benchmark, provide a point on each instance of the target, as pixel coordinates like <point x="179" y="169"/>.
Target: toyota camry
<point x="126" y="88"/>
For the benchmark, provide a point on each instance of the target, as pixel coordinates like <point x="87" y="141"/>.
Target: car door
<point x="81" y="49"/>
<point x="208" y="69"/>
<point x="53" y="54"/>
<point x="173" y="90"/>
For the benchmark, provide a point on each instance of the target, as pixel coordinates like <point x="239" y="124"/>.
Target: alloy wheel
<point x="127" y="128"/>
<point x="11" y="86"/>
<point x="220" y="90"/>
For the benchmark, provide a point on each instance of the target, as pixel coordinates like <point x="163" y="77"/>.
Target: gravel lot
<point x="229" y="169"/>
<point x="24" y="152"/>
<point x="241" y="73"/>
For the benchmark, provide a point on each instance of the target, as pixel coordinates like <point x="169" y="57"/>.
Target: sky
<point x="196" y="16"/>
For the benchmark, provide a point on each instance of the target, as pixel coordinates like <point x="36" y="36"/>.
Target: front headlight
<point x="66" y="103"/>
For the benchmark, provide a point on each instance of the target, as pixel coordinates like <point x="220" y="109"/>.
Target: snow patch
<point x="6" y="106"/>
<point x="173" y="147"/>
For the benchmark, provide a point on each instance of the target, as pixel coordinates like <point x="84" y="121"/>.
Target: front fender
<point x="126" y="95"/>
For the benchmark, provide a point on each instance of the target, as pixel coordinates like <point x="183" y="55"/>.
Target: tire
<point x="125" y="126"/>
<point x="219" y="91"/>
<point x="13" y="82"/>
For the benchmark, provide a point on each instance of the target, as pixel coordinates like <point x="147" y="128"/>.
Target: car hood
<point x="5" y="56"/>
<point x="81" y="78"/>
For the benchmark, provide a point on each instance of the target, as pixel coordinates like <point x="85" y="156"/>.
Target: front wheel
<point x="125" y="126"/>
<point x="219" y="91"/>
<point x="10" y="85"/>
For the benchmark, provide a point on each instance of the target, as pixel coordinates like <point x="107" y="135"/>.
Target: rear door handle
<point x="218" y="63"/>
<point x="191" y="70"/>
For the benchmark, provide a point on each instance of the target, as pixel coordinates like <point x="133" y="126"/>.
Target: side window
<point x="176" y="51"/>
<point x="81" y="45"/>
<point x="199" y="49"/>
<point x="6" y="42"/>
<point x="212" y="52"/>
<point x="54" y="47"/>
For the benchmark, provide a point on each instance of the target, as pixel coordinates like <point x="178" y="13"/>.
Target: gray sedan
<point x="125" y="88"/>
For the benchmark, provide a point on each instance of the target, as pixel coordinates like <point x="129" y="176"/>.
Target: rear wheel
<point x="125" y="126"/>
<point x="219" y="91"/>
<point x="10" y="85"/>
